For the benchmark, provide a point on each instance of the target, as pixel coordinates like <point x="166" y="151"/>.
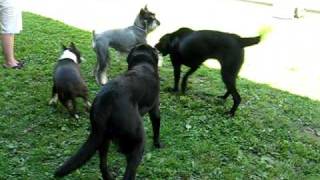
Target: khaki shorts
<point x="10" y="17"/>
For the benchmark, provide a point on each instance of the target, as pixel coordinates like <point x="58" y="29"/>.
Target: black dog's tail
<point x="81" y="157"/>
<point x="93" y="39"/>
<point x="93" y="34"/>
<point x="249" y="41"/>
<point x="264" y="31"/>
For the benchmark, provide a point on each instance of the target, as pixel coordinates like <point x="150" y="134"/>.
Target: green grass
<point x="274" y="135"/>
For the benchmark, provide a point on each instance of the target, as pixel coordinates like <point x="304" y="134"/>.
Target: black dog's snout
<point x="157" y="51"/>
<point x="156" y="46"/>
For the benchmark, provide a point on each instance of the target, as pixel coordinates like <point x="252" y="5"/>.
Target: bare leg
<point x="8" y="50"/>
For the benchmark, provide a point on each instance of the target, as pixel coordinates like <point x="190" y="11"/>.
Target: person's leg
<point x="8" y="50"/>
<point x="11" y="24"/>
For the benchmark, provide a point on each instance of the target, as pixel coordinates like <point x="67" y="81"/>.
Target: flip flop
<point x="21" y="62"/>
<point x="19" y="66"/>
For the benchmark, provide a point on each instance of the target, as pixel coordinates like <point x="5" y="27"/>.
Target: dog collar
<point x="140" y="28"/>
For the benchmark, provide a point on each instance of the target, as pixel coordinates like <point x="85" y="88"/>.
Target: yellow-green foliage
<point x="264" y="31"/>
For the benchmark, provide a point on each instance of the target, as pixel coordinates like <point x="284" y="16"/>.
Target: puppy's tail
<point x="93" y="39"/>
<point x="81" y="157"/>
<point x="93" y="34"/>
<point x="263" y="32"/>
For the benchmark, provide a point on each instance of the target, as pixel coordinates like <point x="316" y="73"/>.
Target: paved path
<point x="289" y="59"/>
<point x="309" y="5"/>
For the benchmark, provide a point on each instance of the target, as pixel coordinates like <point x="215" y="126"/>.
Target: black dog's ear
<point x="173" y="42"/>
<point x="130" y="56"/>
<point x="63" y="47"/>
<point x="165" y="44"/>
<point x="149" y="48"/>
<point x="145" y="50"/>
<point x="72" y="45"/>
<point x="155" y="50"/>
<point x="146" y="7"/>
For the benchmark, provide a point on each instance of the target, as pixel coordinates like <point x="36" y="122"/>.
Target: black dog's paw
<point x="53" y="102"/>
<point x="89" y="128"/>
<point x="222" y="97"/>
<point x="87" y="109"/>
<point x="183" y="92"/>
<point x="53" y="105"/>
<point x="107" y="175"/>
<point x="185" y="89"/>
<point x="229" y="114"/>
<point x="76" y="116"/>
<point x="172" y="90"/>
<point x="162" y="79"/>
<point x="158" y="145"/>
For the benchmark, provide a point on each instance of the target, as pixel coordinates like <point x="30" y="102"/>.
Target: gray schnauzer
<point x="122" y="40"/>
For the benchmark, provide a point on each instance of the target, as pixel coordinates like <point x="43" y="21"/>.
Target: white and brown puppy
<point x="68" y="84"/>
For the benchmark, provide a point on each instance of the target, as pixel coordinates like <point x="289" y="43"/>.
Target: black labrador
<point x="191" y="48"/>
<point x="116" y="115"/>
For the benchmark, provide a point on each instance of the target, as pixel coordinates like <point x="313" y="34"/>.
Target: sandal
<point x="19" y="66"/>
<point x="21" y="62"/>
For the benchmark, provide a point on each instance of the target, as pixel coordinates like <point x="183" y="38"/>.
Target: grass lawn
<point x="274" y="135"/>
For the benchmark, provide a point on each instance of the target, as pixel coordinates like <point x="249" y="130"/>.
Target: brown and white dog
<point x="68" y="84"/>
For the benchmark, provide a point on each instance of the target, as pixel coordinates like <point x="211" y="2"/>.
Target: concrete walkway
<point x="308" y="5"/>
<point x="289" y="59"/>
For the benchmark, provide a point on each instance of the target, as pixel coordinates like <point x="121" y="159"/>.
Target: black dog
<point x="68" y="83"/>
<point x="116" y="115"/>
<point x="192" y="48"/>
